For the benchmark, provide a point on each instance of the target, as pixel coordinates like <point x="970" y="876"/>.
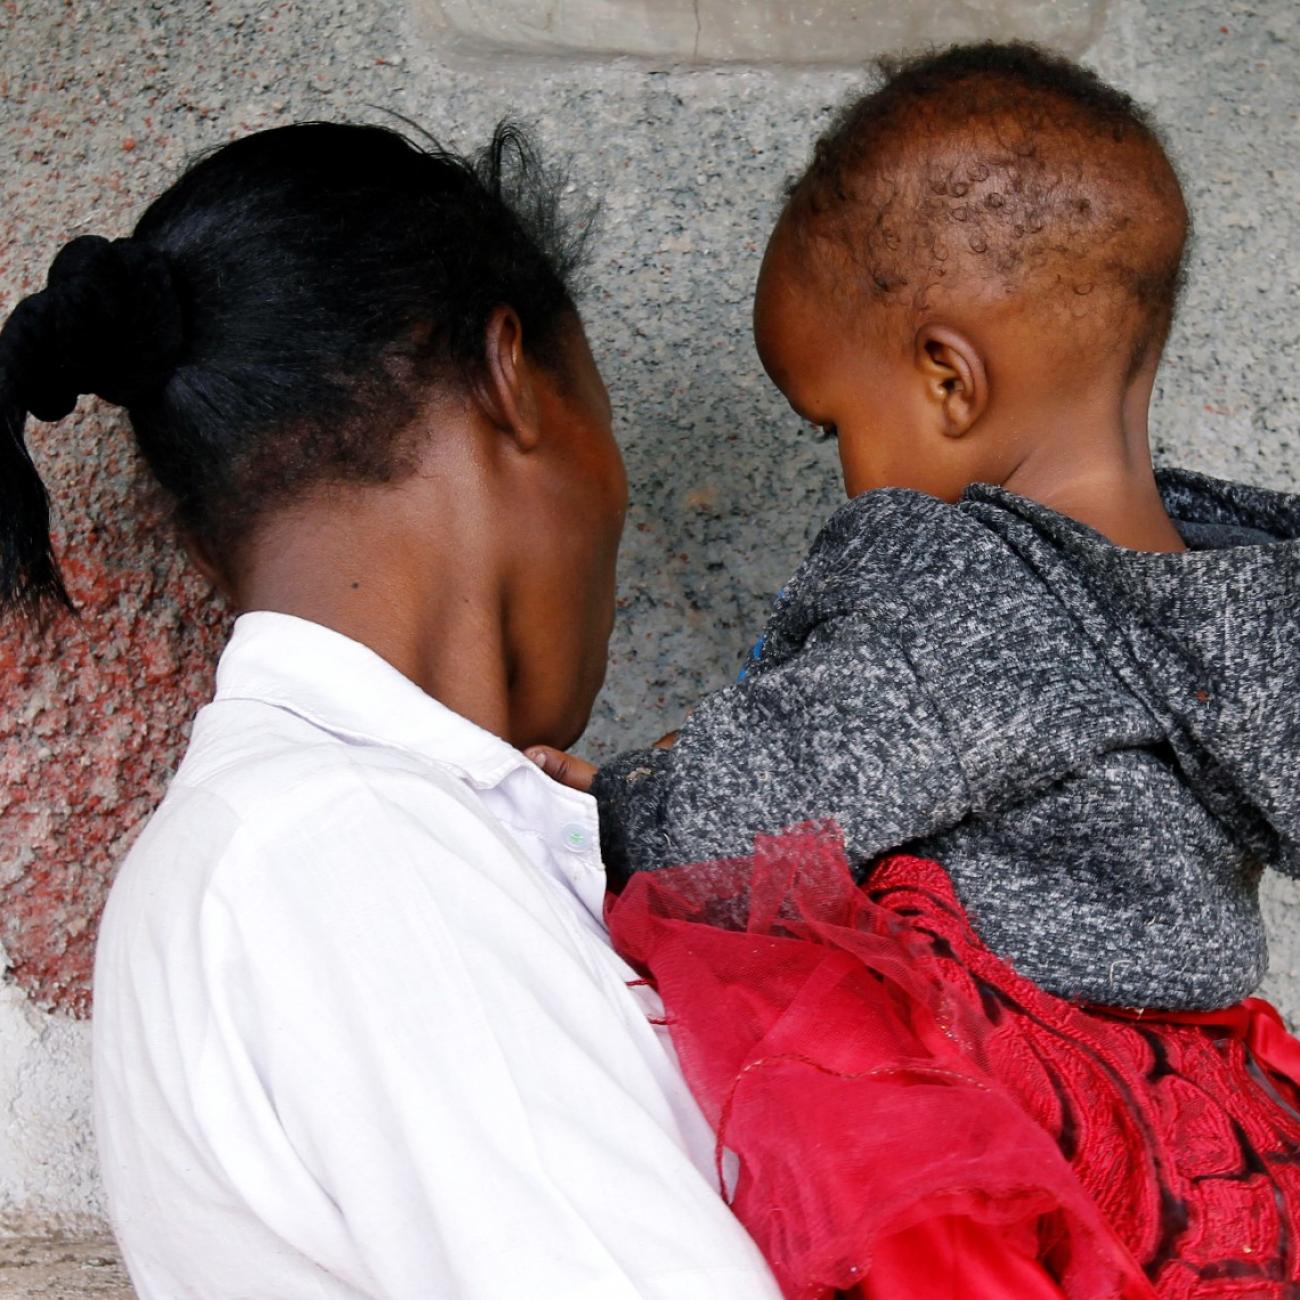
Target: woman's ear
<point x="506" y="392"/>
<point x="955" y="378"/>
<point x="205" y="562"/>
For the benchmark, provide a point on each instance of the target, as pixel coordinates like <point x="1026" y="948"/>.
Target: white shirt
<point x="358" y="1027"/>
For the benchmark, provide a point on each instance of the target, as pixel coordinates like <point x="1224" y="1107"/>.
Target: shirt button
<point x="575" y="837"/>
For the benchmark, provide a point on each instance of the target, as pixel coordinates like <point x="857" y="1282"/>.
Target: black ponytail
<point x="107" y="322"/>
<point x="29" y="573"/>
<point x="276" y="318"/>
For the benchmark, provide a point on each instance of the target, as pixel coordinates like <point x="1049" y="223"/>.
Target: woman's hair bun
<point x="109" y="322"/>
<point x="268" y="332"/>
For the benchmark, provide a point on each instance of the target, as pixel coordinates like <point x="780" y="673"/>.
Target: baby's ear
<point x="955" y="378"/>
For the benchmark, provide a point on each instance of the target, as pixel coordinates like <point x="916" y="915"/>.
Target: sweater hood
<point x="1208" y="639"/>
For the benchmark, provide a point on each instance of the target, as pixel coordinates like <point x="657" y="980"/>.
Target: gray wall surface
<point x="100" y="105"/>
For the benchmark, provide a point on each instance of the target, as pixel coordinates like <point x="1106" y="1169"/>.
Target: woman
<point x="358" y="1027"/>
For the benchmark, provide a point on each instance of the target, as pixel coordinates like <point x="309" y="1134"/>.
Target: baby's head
<point x="976" y="273"/>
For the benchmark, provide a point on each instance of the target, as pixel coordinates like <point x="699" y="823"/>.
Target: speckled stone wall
<point x="101" y="103"/>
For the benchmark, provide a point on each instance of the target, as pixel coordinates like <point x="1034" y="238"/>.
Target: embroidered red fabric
<point x="915" y="1121"/>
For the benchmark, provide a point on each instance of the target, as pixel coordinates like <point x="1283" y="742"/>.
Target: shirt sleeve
<point x="841" y="730"/>
<point x="414" y="1078"/>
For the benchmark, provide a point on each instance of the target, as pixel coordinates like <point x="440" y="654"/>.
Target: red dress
<point x="913" y="1120"/>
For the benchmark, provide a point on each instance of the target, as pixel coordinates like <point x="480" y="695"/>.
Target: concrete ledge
<point x="827" y="32"/>
<point x="62" y="1268"/>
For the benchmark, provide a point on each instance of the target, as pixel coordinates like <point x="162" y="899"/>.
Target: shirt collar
<point x="346" y="688"/>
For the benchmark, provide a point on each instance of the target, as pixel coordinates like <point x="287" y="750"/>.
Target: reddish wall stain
<point x="96" y="710"/>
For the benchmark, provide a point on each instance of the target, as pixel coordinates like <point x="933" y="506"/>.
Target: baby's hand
<point x="567" y="769"/>
<point x="575" y="772"/>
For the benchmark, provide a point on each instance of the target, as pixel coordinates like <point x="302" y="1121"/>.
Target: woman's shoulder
<point x="284" y="811"/>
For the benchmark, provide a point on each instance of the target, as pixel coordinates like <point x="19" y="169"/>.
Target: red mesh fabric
<point x="913" y="1120"/>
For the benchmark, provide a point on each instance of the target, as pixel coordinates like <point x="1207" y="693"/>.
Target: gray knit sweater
<point x="1101" y="746"/>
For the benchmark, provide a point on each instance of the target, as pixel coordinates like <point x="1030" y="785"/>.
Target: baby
<point x="1018" y="649"/>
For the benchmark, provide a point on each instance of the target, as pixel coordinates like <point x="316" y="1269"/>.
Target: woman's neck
<point x="434" y="611"/>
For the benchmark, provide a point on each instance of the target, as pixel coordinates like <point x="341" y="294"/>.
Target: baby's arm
<point x="840" y="729"/>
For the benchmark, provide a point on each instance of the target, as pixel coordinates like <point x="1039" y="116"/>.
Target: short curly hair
<point x="1010" y="166"/>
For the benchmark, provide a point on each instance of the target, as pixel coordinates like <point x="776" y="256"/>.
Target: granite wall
<point x="102" y="102"/>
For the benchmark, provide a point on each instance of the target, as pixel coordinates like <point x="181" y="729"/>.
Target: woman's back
<point x="352" y="989"/>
